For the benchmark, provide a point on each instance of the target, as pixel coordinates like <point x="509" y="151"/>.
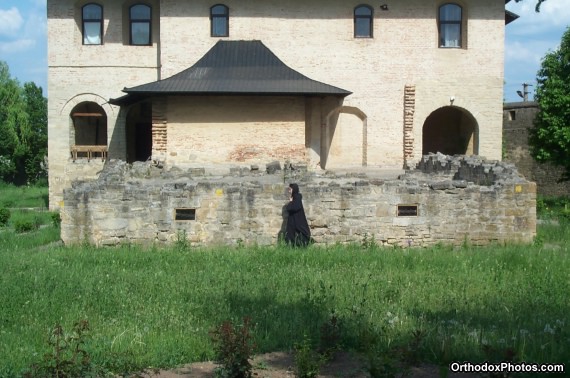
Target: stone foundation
<point x="456" y="199"/>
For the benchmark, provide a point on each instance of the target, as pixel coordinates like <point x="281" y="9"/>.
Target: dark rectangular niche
<point x="185" y="214"/>
<point x="407" y="210"/>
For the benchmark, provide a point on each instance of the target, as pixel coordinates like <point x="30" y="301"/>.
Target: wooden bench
<point x="90" y="151"/>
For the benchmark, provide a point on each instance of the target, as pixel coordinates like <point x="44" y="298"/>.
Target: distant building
<point x="518" y="119"/>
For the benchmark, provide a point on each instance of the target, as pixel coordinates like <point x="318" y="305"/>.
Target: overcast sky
<point x="23" y="43"/>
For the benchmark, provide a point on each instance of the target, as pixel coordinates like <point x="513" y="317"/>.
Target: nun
<point x="298" y="233"/>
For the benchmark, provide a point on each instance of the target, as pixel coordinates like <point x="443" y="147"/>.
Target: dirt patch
<point x="282" y="365"/>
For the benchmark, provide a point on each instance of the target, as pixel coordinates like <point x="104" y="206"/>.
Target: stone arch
<point x="346" y="138"/>
<point x="451" y="130"/>
<point x="87" y="97"/>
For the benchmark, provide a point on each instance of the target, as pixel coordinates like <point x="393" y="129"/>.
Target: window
<point x="92" y="16"/>
<point x="363" y="17"/>
<point x="450" y="21"/>
<point x="184" y="214"/>
<point x="140" y="25"/>
<point x="219" y="18"/>
<point x="512" y="115"/>
<point x="407" y="210"/>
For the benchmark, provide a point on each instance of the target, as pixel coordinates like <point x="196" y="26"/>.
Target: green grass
<point x="155" y="307"/>
<point x="23" y="196"/>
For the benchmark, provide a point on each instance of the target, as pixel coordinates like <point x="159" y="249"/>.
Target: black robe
<point x="298" y="232"/>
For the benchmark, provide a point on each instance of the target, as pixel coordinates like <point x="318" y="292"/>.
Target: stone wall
<point x="137" y="204"/>
<point x="518" y="120"/>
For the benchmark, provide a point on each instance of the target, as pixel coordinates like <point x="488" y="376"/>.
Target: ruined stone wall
<point x="518" y="120"/>
<point x="137" y="204"/>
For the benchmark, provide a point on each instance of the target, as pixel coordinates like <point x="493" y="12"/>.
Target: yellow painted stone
<point x="219" y="192"/>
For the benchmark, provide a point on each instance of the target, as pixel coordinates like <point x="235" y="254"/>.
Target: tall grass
<point x="155" y="307"/>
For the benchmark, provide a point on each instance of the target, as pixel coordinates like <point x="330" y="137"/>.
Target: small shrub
<point x="67" y="357"/>
<point x="21" y="226"/>
<point x="234" y="346"/>
<point x="56" y="220"/>
<point x="307" y="361"/>
<point x="4" y="216"/>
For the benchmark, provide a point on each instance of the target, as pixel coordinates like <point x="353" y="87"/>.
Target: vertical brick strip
<point x="159" y="127"/>
<point x="409" y="109"/>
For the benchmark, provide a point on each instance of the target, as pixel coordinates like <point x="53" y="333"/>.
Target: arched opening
<point x="346" y="138"/>
<point x="139" y="132"/>
<point x="451" y="131"/>
<point x="88" y="136"/>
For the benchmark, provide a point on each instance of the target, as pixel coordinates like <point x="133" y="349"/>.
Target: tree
<point x="550" y="138"/>
<point x="36" y="134"/>
<point x="538" y="4"/>
<point x="23" y="130"/>
<point x="12" y="114"/>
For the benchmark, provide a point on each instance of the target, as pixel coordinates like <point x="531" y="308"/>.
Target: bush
<point x="307" y="361"/>
<point x="67" y="356"/>
<point x="4" y="216"/>
<point x="234" y="347"/>
<point x="56" y="220"/>
<point x="21" y="226"/>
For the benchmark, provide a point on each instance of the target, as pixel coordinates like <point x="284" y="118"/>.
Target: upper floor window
<point x="92" y="20"/>
<point x="450" y="21"/>
<point x="363" y="17"/>
<point x="140" y="24"/>
<point x="219" y="18"/>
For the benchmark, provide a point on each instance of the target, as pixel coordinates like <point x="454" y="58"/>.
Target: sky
<point x="23" y="41"/>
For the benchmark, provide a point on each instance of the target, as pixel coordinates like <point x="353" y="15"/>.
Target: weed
<point x="307" y="361"/>
<point x="234" y="346"/>
<point x="330" y="335"/>
<point x="68" y="357"/>
<point x="4" y="216"/>
<point x="182" y="244"/>
<point x="369" y="243"/>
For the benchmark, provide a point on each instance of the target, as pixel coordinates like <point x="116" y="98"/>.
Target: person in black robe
<point x="298" y="233"/>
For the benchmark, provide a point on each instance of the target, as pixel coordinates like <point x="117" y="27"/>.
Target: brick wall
<point x="313" y="38"/>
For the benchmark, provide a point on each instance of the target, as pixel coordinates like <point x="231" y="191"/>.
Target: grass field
<point x="156" y="306"/>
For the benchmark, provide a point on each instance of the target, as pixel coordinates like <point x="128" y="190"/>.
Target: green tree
<point x="36" y="134"/>
<point x="23" y="130"/>
<point x="12" y="114"/>
<point x="550" y="138"/>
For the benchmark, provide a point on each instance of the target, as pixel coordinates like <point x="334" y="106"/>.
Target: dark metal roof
<point x="235" y="68"/>
<point x="510" y="17"/>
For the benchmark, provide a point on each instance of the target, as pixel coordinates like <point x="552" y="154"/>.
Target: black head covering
<point x="295" y="188"/>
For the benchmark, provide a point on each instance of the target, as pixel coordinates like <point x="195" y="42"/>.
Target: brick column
<point x="159" y="129"/>
<point x="409" y="110"/>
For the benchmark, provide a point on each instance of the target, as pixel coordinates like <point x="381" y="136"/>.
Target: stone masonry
<point x="458" y="199"/>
